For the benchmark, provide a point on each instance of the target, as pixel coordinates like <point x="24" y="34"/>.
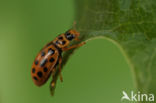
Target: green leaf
<point x="129" y="24"/>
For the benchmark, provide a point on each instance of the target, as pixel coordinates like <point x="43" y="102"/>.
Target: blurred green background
<point x="96" y="73"/>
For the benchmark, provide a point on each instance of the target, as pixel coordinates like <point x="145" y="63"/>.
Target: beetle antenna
<point x="74" y="25"/>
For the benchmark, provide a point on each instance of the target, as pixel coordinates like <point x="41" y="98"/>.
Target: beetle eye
<point x="69" y="36"/>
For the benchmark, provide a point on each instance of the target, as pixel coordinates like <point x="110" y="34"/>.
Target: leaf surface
<point x="129" y="24"/>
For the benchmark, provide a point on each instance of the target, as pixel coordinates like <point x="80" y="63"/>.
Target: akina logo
<point x="137" y="97"/>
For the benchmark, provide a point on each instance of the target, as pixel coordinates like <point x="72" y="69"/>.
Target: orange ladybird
<point x="50" y="57"/>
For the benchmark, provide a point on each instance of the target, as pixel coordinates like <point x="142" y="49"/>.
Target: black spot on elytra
<point x="35" y="78"/>
<point x="51" y="51"/>
<point x="63" y="42"/>
<point x="33" y="70"/>
<point x="36" y="62"/>
<point x="60" y="37"/>
<point x="45" y="69"/>
<point x="51" y="59"/>
<point x="42" y="53"/>
<point x="39" y="74"/>
<point x="43" y="62"/>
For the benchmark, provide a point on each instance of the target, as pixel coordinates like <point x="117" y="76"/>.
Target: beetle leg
<point x="53" y="82"/>
<point x="53" y="72"/>
<point x="60" y="62"/>
<point x="74" y="46"/>
<point x="52" y="86"/>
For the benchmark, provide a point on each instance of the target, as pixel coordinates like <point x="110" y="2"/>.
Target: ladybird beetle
<point x="50" y="57"/>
